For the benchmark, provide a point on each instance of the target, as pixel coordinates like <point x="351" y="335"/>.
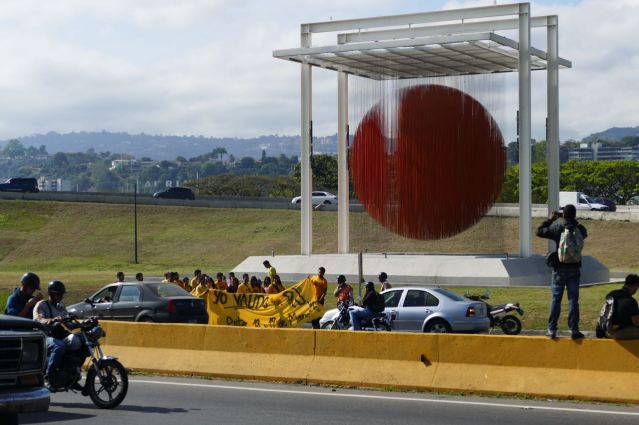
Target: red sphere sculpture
<point x="438" y="171"/>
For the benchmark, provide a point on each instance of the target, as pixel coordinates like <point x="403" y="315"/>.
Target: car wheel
<point x="327" y="202"/>
<point x="438" y="326"/>
<point x="146" y="319"/>
<point x="299" y="201"/>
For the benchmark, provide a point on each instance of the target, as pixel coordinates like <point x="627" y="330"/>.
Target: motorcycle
<point x="498" y="314"/>
<point x="106" y="380"/>
<point x="342" y="320"/>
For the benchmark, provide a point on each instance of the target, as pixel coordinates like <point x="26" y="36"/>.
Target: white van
<point x="581" y="201"/>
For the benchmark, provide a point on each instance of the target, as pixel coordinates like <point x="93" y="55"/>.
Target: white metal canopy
<point x="431" y="44"/>
<point x="434" y="56"/>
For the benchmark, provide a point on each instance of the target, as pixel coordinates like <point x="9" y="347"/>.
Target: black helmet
<point x="383" y="276"/>
<point x="56" y="287"/>
<point x="341" y="279"/>
<point x="30" y="279"/>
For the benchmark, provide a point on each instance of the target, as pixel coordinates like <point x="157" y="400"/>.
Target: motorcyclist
<point x="23" y="300"/>
<point x="370" y="306"/>
<point x="344" y="291"/>
<point x="51" y="313"/>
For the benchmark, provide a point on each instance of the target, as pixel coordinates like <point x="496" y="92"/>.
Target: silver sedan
<point x="414" y="309"/>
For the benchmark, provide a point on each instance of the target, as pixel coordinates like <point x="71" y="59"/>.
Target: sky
<point x="205" y="67"/>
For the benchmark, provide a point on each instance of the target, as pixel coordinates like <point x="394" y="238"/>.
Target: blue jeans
<point x="569" y="279"/>
<point x="56" y="349"/>
<point x="357" y="315"/>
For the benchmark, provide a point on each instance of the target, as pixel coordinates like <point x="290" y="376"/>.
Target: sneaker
<point x="577" y="335"/>
<point x="551" y="334"/>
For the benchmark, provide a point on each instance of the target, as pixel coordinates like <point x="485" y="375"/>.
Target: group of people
<point x="568" y="236"/>
<point x="271" y="284"/>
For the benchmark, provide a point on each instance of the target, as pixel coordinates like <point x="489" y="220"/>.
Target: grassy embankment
<point x="85" y="244"/>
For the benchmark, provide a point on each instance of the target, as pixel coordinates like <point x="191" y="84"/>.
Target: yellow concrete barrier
<point x="587" y="369"/>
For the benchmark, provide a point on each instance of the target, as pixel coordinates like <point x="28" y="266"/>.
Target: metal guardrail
<point x="624" y="212"/>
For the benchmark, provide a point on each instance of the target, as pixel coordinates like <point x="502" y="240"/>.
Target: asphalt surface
<point x="184" y="401"/>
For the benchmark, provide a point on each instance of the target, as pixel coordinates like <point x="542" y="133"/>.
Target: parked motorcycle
<point x="106" y="380"/>
<point x="342" y="320"/>
<point x="498" y="314"/>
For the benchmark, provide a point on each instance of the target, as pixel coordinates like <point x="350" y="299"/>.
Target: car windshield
<point x="589" y="199"/>
<point x="453" y="296"/>
<point x="166" y="290"/>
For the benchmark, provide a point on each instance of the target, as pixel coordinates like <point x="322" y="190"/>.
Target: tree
<point x="247" y="162"/>
<point x="14" y="148"/>
<point x="181" y="160"/>
<point x="324" y="172"/>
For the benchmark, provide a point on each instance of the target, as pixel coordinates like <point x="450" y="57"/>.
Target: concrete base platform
<point x="424" y="269"/>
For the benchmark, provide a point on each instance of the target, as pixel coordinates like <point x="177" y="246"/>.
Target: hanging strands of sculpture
<point x="427" y="158"/>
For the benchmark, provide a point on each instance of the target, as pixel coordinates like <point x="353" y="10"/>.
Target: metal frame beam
<point x="306" y="174"/>
<point x="525" y="186"/>
<point x="343" y="189"/>
<point x="412" y="18"/>
<point x="432" y="30"/>
<point x="552" y="120"/>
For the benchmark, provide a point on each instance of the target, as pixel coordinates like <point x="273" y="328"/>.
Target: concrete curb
<point x="585" y="369"/>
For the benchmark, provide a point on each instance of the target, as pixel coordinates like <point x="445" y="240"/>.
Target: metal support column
<point x="343" y="198"/>
<point x="306" y="222"/>
<point x="552" y="140"/>
<point x="525" y="188"/>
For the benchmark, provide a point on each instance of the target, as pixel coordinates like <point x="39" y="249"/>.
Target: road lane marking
<point x="390" y="398"/>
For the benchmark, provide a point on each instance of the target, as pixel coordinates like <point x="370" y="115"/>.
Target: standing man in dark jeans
<point x="564" y="275"/>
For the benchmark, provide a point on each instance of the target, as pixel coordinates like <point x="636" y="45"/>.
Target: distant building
<point x="54" y="185"/>
<point x="604" y="154"/>
<point x="129" y="165"/>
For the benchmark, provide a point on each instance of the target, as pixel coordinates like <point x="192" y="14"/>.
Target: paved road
<point x="162" y="400"/>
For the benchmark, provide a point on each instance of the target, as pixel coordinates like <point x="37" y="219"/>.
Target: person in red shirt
<point x="344" y="291"/>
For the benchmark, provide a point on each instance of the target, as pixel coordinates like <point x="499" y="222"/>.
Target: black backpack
<point x="379" y="304"/>
<point x="604" y="324"/>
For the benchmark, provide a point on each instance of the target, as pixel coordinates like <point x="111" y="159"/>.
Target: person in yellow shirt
<point x="197" y="276"/>
<point x="244" y="287"/>
<point x="256" y="286"/>
<point x="276" y="286"/>
<point x="271" y="270"/>
<point x="221" y="282"/>
<point x="321" y="285"/>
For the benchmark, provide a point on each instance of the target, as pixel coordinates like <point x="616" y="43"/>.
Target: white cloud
<point x="206" y="67"/>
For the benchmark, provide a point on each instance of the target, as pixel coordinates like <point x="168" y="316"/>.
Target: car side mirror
<point x="88" y="301"/>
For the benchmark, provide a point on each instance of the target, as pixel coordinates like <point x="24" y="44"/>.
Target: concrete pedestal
<point x="424" y="269"/>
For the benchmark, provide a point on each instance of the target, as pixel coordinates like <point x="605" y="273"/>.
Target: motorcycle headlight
<point x="96" y="332"/>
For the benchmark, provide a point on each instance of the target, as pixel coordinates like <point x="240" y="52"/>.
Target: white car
<point x="319" y="198"/>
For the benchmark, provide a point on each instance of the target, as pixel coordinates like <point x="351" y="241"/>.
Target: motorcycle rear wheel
<point x="383" y="327"/>
<point x="112" y="379"/>
<point x="511" y="325"/>
<point x="328" y="325"/>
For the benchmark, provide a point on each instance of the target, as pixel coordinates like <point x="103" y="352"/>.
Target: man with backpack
<point x="619" y="317"/>
<point x="568" y="236"/>
<point x="372" y="304"/>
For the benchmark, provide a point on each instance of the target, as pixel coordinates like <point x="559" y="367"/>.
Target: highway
<point x="189" y="401"/>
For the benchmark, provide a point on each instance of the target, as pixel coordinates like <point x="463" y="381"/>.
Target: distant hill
<point x="614" y="133"/>
<point x="169" y="147"/>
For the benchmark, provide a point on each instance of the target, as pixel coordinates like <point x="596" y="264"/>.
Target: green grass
<point x="84" y="245"/>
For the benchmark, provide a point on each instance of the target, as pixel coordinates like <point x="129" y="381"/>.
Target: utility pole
<point x="135" y="222"/>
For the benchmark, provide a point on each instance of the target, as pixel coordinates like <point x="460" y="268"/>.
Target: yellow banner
<point x="288" y="309"/>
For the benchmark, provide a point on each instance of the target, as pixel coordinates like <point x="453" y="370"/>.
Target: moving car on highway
<point x="142" y="302"/>
<point x="20" y="184"/>
<point x="319" y="198"/>
<point x="175" y="193"/>
<point x="437" y="310"/>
